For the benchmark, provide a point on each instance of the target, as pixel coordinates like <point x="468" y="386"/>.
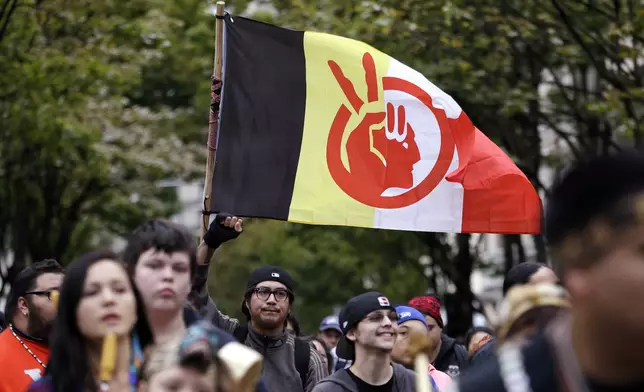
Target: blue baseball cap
<point x="330" y="322"/>
<point x="406" y="313"/>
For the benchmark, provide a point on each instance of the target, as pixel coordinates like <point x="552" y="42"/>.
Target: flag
<point x="321" y="129"/>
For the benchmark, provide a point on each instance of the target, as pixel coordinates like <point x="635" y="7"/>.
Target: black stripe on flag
<point x="261" y="119"/>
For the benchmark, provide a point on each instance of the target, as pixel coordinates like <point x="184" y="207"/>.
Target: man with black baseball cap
<point x="369" y="324"/>
<point x="290" y="364"/>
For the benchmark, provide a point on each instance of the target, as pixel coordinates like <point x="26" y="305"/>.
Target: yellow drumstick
<point x="418" y="345"/>
<point x="108" y="360"/>
<point x="55" y="297"/>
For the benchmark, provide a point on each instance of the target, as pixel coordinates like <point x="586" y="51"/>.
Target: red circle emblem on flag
<point x="381" y="149"/>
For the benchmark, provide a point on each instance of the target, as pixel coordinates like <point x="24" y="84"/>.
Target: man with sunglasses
<point x="370" y="326"/>
<point x="29" y="314"/>
<point x="290" y="364"/>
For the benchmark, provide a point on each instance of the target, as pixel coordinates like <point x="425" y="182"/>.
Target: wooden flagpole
<point x="214" y="116"/>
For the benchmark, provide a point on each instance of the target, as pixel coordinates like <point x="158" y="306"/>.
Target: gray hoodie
<point x="341" y="381"/>
<point x="279" y="373"/>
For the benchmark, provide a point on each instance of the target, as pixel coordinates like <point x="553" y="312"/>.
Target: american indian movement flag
<point x="320" y="129"/>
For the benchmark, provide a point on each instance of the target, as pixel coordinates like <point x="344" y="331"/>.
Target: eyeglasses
<point x="264" y="293"/>
<point x="377" y="317"/>
<point x="48" y="293"/>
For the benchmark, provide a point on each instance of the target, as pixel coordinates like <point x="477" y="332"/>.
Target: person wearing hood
<point x="370" y="326"/>
<point x="446" y="356"/>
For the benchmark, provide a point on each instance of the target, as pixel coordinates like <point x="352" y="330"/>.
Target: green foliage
<point x="79" y="157"/>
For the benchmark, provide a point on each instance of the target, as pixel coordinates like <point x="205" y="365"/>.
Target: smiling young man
<point x="24" y="349"/>
<point x="370" y="326"/>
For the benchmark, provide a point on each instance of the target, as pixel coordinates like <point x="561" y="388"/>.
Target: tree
<point x="78" y="159"/>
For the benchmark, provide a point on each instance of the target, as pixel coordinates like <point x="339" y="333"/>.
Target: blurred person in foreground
<point x="411" y="321"/>
<point x="528" y="309"/>
<point x="30" y="313"/>
<point x="204" y="360"/>
<point x="97" y="298"/>
<point x="447" y="355"/>
<point x="594" y="224"/>
<point x="370" y="326"/>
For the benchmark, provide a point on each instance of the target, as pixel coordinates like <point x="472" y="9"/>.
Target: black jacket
<point x="484" y="354"/>
<point x="452" y="357"/>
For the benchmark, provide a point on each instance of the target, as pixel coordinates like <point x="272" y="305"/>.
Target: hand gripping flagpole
<point x="213" y="121"/>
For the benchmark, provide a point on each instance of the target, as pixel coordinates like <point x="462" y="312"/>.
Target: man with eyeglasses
<point x="370" y="326"/>
<point x="29" y="313"/>
<point x="290" y="364"/>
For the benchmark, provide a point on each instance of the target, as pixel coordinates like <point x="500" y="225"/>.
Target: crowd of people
<point x="576" y="328"/>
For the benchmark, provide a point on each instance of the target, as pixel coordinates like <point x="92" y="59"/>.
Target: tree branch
<point x="563" y="135"/>
<point x="7" y="19"/>
<point x="599" y="65"/>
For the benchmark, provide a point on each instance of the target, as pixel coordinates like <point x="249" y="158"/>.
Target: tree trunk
<point x="459" y="306"/>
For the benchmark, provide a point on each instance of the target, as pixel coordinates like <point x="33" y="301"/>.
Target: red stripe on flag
<point x="498" y="197"/>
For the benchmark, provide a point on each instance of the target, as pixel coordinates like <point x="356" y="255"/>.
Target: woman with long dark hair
<point x="97" y="298"/>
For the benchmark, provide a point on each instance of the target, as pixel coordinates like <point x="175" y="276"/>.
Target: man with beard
<point x="291" y="364"/>
<point x="29" y="315"/>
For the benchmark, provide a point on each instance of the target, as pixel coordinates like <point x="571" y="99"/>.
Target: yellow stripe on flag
<point x="316" y="196"/>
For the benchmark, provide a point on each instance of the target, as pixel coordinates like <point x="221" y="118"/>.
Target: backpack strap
<point x="302" y="352"/>
<point x="462" y="357"/>
<point x="302" y="359"/>
<point x="240" y="333"/>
